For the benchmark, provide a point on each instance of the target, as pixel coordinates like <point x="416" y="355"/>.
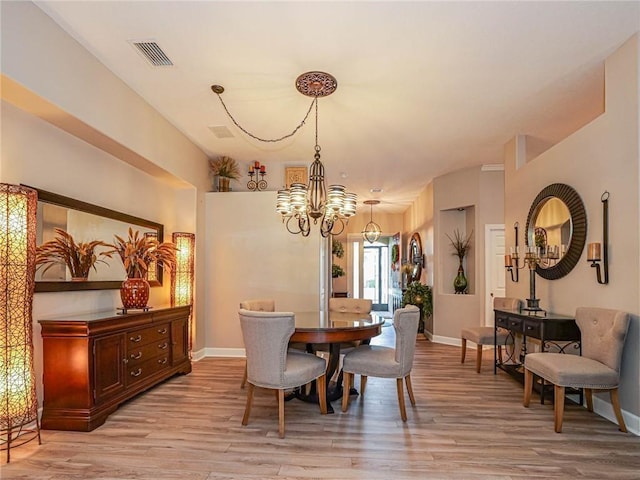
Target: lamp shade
<point x="18" y="400"/>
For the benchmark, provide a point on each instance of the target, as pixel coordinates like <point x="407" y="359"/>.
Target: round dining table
<point x="332" y="330"/>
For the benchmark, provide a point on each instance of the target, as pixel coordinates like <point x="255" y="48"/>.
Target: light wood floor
<point x="464" y="426"/>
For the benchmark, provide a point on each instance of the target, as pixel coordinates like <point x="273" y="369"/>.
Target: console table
<point x="552" y="330"/>
<point x="92" y="363"/>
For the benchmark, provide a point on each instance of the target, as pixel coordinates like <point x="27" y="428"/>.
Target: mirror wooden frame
<point x="62" y="201"/>
<point x="578" y="238"/>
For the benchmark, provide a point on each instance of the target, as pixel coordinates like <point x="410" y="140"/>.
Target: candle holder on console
<point x="594" y="249"/>
<point x="257" y="169"/>
<point x="511" y="261"/>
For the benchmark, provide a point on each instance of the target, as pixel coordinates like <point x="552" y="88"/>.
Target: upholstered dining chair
<point x="379" y="361"/>
<point x="350" y="305"/>
<point x="485" y="335"/>
<point x="603" y="332"/>
<point x="270" y="363"/>
<point x="257" y="305"/>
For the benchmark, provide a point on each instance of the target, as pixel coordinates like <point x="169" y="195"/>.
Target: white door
<point x="495" y="273"/>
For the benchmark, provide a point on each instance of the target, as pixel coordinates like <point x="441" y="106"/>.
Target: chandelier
<point x="300" y="203"/>
<point x="371" y="231"/>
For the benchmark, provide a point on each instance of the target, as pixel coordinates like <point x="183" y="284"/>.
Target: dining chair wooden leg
<point x="528" y="386"/>
<point x="478" y="358"/>
<point x="346" y="386"/>
<point x="247" y="408"/>
<point x="244" y="376"/>
<point x="500" y="354"/>
<point x="403" y="410"/>
<point x="407" y="380"/>
<point x="558" y="407"/>
<point x="615" y="402"/>
<point x="321" y="383"/>
<point x="363" y="384"/>
<point x="463" y="352"/>
<point x="588" y="395"/>
<point x="281" y="413"/>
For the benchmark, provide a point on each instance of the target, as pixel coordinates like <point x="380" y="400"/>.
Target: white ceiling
<point x="424" y="88"/>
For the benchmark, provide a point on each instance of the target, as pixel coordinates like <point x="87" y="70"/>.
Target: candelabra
<point x="257" y="169"/>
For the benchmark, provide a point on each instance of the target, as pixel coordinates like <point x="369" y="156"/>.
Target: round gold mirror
<point x="557" y="227"/>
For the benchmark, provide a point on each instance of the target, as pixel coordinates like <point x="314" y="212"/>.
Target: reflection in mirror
<point x="552" y="231"/>
<point x="557" y="218"/>
<point x="87" y="222"/>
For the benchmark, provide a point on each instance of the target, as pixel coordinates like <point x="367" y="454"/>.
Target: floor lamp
<point x="18" y="401"/>
<point x="183" y="273"/>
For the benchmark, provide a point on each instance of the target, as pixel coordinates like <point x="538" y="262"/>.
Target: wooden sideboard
<point x="552" y="330"/>
<point x="92" y="363"/>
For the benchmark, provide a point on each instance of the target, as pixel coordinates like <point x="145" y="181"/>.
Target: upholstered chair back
<point x="259" y="305"/>
<point x="350" y="305"/>
<point x="507" y="303"/>
<point x="405" y="323"/>
<point x="603" y="332"/>
<point x="266" y="337"/>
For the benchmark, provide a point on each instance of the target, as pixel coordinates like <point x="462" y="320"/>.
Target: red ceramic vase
<point x="134" y="293"/>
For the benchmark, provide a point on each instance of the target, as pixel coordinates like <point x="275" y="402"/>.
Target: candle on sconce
<point x="593" y="252"/>
<point x="257" y="164"/>
<point x="507" y="261"/>
<point x="251" y="169"/>
<point x="263" y="169"/>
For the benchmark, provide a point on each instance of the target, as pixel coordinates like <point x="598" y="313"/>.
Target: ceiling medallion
<point x="316" y="84"/>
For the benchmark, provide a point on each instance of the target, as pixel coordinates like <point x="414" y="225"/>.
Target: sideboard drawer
<point x="143" y="370"/>
<point x="502" y="321"/>
<point x="532" y="329"/>
<point x="148" y="335"/>
<point x="514" y="324"/>
<point x="141" y="354"/>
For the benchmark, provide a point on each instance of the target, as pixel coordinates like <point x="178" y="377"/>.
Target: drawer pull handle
<point x="529" y="327"/>
<point x="162" y="361"/>
<point x="136" y="356"/>
<point x="163" y="346"/>
<point x="135" y="339"/>
<point x="162" y="331"/>
<point x="136" y="373"/>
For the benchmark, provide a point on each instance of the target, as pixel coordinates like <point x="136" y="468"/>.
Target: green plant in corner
<point x="79" y="257"/>
<point x="337" y="248"/>
<point x="420" y="295"/>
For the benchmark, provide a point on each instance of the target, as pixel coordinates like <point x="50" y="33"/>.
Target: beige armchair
<point x="270" y="364"/>
<point x="379" y="361"/>
<point x="603" y="333"/>
<point x="485" y="335"/>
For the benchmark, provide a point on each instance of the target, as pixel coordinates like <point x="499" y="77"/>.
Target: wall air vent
<point x="152" y="52"/>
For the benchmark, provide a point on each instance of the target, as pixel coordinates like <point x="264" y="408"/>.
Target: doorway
<point x="495" y="280"/>
<point x="375" y="274"/>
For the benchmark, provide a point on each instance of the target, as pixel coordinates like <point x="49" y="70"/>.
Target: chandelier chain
<point x="273" y="140"/>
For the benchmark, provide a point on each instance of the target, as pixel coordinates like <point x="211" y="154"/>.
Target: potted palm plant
<point x="137" y="252"/>
<point x="224" y="169"/>
<point x="78" y="257"/>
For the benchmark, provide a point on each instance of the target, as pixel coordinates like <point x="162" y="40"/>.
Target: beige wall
<point x="250" y="254"/>
<point x="601" y="156"/>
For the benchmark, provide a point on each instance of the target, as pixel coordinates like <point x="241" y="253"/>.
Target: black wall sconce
<point x="594" y="250"/>
<point x="511" y="260"/>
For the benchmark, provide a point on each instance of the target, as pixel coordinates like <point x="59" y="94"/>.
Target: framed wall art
<point x="295" y="175"/>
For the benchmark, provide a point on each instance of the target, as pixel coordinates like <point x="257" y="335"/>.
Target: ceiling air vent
<point x="221" y="131"/>
<point x="152" y="52"/>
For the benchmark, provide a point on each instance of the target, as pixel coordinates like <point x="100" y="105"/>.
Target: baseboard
<point x="604" y="409"/>
<point x="224" y="352"/>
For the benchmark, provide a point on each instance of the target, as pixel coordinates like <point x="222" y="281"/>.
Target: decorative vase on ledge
<point x="460" y="282"/>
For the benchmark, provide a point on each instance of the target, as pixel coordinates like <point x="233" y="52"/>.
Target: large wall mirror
<point x="88" y="222"/>
<point x="557" y="227"/>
